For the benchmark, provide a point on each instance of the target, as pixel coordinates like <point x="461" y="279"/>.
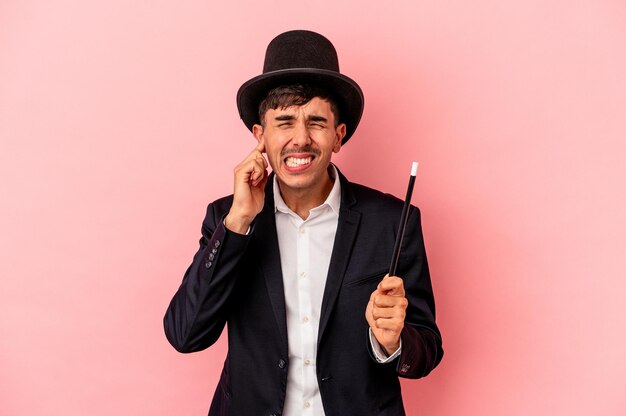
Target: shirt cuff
<point x="379" y="351"/>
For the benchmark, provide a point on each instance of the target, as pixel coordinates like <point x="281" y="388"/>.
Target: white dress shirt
<point x="305" y="250"/>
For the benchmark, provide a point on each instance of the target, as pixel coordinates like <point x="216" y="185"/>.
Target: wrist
<point x="237" y="224"/>
<point x="391" y="348"/>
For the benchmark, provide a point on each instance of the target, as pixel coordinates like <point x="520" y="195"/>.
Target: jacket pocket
<point x="366" y="279"/>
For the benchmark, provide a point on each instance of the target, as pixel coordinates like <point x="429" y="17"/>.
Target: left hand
<point x="386" y="311"/>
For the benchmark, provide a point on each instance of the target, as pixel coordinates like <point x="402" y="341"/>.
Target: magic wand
<point x="403" y="219"/>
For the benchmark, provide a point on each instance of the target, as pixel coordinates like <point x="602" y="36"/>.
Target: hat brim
<point x="345" y="91"/>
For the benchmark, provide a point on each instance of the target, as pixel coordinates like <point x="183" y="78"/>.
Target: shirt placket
<point x="306" y="315"/>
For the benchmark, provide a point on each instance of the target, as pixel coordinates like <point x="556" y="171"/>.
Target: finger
<point x="257" y="173"/>
<point x="256" y="152"/>
<point x="247" y="173"/>
<point x="255" y="157"/>
<point x="389" y="301"/>
<point x="250" y="167"/>
<point x="383" y="301"/>
<point x="392" y="285"/>
<point x="379" y="313"/>
<point x="390" y="324"/>
<point x="368" y="311"/>
<point x="261" y="178"/>
<point x="370" y="304"/>
<point x="260" y="158"/>
<point x="263" y="181"/>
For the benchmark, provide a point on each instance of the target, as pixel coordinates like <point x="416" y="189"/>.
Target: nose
<point x="301" y="135"/>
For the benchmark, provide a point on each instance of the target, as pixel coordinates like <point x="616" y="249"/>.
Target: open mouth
<point x="295" y="162"/>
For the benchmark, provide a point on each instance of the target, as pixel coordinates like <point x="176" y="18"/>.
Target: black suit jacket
<point x="237" y="279"/>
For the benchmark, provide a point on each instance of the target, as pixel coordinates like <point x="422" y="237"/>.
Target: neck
<point x="301" y="201"/>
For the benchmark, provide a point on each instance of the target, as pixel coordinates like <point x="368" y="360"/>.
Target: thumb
<point x="380" y="284"/>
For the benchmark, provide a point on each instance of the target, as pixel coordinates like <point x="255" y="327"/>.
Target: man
<point x="295" y="262"/>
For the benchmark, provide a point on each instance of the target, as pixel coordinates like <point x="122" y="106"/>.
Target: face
<point x="299" y="142"/>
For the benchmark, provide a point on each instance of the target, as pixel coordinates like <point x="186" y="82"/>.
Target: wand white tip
<point x="414" y="169"/>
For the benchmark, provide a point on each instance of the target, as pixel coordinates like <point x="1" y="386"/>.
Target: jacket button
<point x="281" y="364"/>
<point x="208" y="264"/>
<point x="211" y="256"/>
<point x="217" y="243"/>
<point x="214" y="251"/>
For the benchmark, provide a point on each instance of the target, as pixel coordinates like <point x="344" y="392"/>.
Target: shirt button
<point x="305" y="319"/>
<point x="281" y="364"/>
<point x="307" y="404"/>
<point x="307" y="362"/>
<point x="302" y="230"/>
<point x="302" y="274"/>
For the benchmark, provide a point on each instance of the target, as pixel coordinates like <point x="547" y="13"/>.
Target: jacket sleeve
<point x="198" y="311"/>
<point x="421" y="340"/>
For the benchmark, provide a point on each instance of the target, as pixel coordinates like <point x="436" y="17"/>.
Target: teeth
<point x="293" y="162"/>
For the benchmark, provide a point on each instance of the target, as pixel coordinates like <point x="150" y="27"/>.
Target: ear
<point x="340" y="133"/>
<point x="257" y="131"/>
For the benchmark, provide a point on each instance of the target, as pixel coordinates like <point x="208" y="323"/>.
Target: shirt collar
<point x="333" y="200"/>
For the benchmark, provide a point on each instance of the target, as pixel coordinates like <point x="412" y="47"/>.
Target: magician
<point x="295" y="262"/>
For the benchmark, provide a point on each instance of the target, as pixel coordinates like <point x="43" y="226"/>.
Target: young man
<point x="295" y="262"/>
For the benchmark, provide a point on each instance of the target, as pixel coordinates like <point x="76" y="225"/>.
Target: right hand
<point x="249" y="193"/>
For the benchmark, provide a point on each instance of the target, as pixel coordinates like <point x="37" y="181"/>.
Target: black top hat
<point x="297" y="57"/>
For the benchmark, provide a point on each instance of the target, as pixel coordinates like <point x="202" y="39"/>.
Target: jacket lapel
<point x="269" y="257"/>
<point x="347" y="227"/>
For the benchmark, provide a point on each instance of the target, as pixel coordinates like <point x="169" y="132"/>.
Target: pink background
<point x="118" y="125"/>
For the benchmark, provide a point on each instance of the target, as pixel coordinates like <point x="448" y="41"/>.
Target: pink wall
<point x="118" y="125"/>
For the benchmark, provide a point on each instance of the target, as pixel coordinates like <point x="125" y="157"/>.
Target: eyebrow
<point x="318" y="118"/>
<point x="289" y="117"/>
<point x="285" y="117"/>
